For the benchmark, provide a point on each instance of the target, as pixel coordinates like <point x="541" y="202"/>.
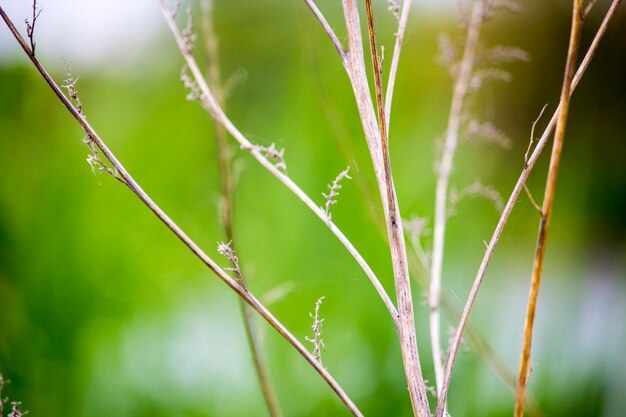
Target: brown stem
<point x="408" y="339"/>
<point x="174" y="228"/>
<point x="227" y="206"/>
<point x="517" y="189"/>
<point x="548" y="202"/>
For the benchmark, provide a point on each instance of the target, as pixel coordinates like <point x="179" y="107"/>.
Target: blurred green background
<point x="103" y="312"/>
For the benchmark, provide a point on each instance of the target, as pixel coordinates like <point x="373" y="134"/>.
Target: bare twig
<point x="517" y="189"/>
<point x="329" y="31"/>
<point x="588" y="8"/>
<point x="402" y="17"/>
<point x="548" y="200"/>
<point x="165" y="219"/>
<point x="533" y="202"/>
<point x="208" y="100"/>
<point x="532" y="134"/>
<point x="30" y="26"/>
<point x="443" y="179"/>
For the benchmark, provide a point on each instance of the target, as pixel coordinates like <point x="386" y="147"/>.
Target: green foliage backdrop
<point x="104" y="313"/>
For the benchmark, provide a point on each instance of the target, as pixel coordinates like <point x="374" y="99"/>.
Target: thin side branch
<point x="208" y="100"/>
<point x="517" y="189"/>
<point x="548" y="201"/>
<point x="326" y="26"/>
<point x="444" y="170"/>
<point x="170" y="224"/>
<point x="395" y="59"/>
<point x="30" y="26"/>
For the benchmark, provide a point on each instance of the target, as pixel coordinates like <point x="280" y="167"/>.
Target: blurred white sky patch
<point x="95" y="33"/>
<point x="88" y="32"/>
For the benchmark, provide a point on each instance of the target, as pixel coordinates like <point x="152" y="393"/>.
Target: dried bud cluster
<point x="333" y="193"/>
<point x="316" y="340"/>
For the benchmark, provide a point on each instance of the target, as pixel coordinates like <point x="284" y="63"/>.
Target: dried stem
<point x="329" y="31"/>
<point x="381" y="160"/>
<point x="454" y="347"/>
<point x="226" y="206"/>
<point x="395" y="59"/>
<point x="167" y="221"/>
<point x="30" y="27"/>
<point x="548" y="201"/>
<point x="443" y="179"/>
<point x="209" y="102"/>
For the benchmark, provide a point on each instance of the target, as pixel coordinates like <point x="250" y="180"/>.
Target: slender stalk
<point x="209" y="102"/>
<point x="548" y="202"/>
<point x="395" y="59"/>
<point x="443" y="179"/>
<point x="227" y="206"/>
<point x="174" y="228"/>
<point x="326" y="26"/>
<point x="517" y="189"/>
<point x="408" y="339"/>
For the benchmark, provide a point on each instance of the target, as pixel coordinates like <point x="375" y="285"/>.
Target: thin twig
<point x="227" y="206"/>
<point x="548" y="202"/>
<point x="532" y="134"/>
<point x="218" y="114"/>
<point x="329" y="31"/>
<point x="534" y="203"/>
<point x="444" y="169"/>
<point x="187" y="241"/>
<point x="395" y="59"/>
<point x="408" y="339"/>
<point x="588" y="8"/>
<point x="30" y="27"/>
<point x="517" y="189"/>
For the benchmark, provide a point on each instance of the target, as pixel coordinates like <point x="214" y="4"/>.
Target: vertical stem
<point x="408" y="339"/>
<point x="548" y="201"/>
<point x="443" y="180"/>
<point x="226" y="205"/>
